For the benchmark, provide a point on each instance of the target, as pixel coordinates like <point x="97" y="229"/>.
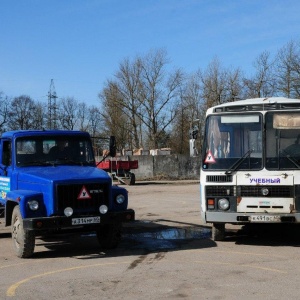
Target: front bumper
<point x="58" y="222"/>
<point x="244" y="218"/>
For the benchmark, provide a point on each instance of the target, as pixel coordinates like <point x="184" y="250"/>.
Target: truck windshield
<point x="233" y="142"/>
<point x="45" y="150"/>
<point x="282" y="140"/>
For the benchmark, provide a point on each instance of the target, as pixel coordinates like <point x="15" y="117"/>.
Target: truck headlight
<point x="103" y="209"/>
<point x="33" y="205"/>
<point x="120" y="199"/>
<point x="68" y="211"/>
<point x="223" y="203"/>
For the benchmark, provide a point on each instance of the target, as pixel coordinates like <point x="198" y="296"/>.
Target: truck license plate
<point x="264" y="218"/>
<point x="84" y="221"/>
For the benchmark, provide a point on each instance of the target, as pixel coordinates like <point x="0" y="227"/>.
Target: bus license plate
<point x="85" y="221"/>
<point x="264" y="218"/>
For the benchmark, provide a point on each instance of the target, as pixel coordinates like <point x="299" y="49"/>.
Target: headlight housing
<point x="120" y="199"/>
<point x="33" y="205"/>
<point x="103" y="209"/>
<point x="68" y="211"/>
<point x="223" y="204"/>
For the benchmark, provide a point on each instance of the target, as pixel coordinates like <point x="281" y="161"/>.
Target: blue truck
<point x="49" y="182"/>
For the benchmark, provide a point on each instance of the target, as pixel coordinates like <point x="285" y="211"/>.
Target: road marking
<point x="241" y="265"/>
<point x="11" y="291"/>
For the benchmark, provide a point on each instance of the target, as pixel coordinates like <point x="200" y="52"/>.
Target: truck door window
<point x="6" y="154"/>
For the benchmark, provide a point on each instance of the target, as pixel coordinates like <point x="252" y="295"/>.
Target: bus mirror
<point x="112" y="146"/>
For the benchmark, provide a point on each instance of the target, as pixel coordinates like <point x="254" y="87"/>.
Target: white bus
<point x="250" y="169"/>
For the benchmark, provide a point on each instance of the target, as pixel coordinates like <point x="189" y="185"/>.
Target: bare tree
<point x="39" y="120"/>
<point x="213" y="84"/>
<point x="21" y="113"/>
<point x="4" y="106"/>
<point x="262" y="84"/>
<point x="67" y="113"/>
<point x="115" y="120"/>
<point x="160" y="95"/>
<point x="83" y="116"/>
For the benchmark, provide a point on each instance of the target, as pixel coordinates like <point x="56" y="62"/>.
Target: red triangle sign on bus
<point x="209" y="158"/>
<point x="84" y="194"/>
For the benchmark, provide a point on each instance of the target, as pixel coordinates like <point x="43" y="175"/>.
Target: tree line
<point x="148" y="104"/>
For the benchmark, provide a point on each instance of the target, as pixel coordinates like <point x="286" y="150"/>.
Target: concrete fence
<point x="165" y="166"/>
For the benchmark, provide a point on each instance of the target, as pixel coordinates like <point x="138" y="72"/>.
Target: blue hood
<point x="61" y="173"/>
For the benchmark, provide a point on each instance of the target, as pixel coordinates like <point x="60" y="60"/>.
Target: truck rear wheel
<point x="109" y="235"/>
<point x="218" y="232"/>
<point x="23" y="240"/>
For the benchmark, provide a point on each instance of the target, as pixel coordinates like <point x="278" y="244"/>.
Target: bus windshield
<point x="282" y="140"/>
<point x="233" y="142"/>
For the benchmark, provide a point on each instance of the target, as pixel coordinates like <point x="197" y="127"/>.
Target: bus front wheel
<point x="218" y="232"/>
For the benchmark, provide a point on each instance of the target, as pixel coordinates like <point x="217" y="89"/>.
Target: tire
<point x="132" y="178"/>
<point x="218" y="232"/>
<point x="23" y="240"/>
<point x="109" y="235"/>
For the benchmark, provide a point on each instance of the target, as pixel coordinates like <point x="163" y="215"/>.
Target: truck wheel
<point x="23" y="240"/>
<point x="218" y="232"/>
<point x="109" y="235"/>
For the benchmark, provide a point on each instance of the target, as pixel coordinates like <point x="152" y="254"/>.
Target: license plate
<point x="85" y="221"/>
<point x="264" y="218"/>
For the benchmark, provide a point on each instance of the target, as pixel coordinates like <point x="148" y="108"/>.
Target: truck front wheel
<point x="218" y="231"/>
<point x="23" y="240"/>
<point x="109" y="235"/>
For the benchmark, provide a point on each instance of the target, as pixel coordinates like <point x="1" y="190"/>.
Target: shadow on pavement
<point x="138" y="239"/>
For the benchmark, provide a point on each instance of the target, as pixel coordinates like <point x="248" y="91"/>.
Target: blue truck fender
<point x="21" y="198"/>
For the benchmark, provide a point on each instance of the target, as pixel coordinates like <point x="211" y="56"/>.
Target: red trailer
<point x="120" y="169"/>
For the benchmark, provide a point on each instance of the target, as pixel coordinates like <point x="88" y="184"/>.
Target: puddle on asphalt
<point x="169" y="238"/>
<point x="176" y="234"/>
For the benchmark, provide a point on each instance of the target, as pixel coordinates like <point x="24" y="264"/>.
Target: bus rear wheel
<point x="218" y="232"/>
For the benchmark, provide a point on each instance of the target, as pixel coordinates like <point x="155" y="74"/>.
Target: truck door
<point x="5" y="157"/>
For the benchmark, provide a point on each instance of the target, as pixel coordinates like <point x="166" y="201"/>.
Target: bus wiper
<point x="235" y="166"/>
<point x="290" y="158"/>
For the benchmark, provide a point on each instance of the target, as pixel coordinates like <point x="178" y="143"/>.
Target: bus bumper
<point x="245" y="218"/>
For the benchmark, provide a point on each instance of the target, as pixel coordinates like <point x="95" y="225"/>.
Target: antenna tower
<point x="52" y="108"/>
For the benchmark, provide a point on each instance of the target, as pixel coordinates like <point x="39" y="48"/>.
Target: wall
<point x="165" y="166"/>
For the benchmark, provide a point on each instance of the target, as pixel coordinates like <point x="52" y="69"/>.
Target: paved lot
<point x="165" y="254"/>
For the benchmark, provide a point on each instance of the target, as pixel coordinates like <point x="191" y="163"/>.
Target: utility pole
<point x="52" y="108"/>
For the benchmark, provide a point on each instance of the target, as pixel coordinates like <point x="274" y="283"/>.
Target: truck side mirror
<point x="112" y="146"/>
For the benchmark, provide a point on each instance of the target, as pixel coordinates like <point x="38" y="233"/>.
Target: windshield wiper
<point x="35" y="163"/>
<point x="290" y="158"/>
<point x="235" y="166"/>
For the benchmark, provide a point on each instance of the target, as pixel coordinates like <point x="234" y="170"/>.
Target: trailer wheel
<point x="132" y="178"/>
<point x="23" y="240"/>
<point x="218" y="232"/>
<point x="109" y="235"/>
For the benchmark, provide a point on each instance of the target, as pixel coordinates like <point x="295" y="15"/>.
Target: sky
<point x="81" y="43"/>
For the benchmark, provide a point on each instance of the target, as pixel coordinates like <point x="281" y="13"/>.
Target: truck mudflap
<point x="60" y="222"/>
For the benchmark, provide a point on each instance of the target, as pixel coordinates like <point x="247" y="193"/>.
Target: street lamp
<point x="193" y="137"/>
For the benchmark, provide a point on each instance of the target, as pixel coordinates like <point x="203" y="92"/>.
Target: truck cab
<point x="49" y="181"/>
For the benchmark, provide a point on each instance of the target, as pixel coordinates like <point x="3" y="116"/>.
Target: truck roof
<point x="18" y="133"/>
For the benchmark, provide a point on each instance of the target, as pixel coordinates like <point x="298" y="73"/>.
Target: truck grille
<point x="83" y="198"/>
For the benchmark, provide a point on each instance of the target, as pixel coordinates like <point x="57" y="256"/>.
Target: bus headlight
<point x="33" y="205"/>
<point x="223" y="203"/>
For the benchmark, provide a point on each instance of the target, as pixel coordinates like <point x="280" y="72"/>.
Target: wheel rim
<point x="15" y="230"/>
